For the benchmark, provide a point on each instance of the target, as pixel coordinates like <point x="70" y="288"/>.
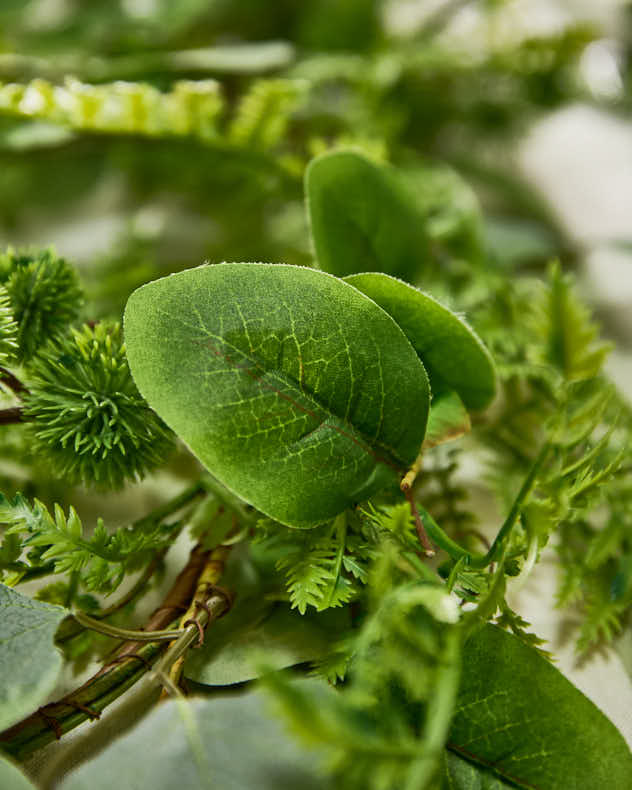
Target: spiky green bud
<point x="8" y="329"/>
<point x="87" y="416"/>
<point x="44" y="293"/>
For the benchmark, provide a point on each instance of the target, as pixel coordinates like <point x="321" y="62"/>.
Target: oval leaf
<point x="363" y="218"/>
<point x="283" y="638"/>
<point x="520" y="718"/>
<point x="293" y="388"/>
<point x="451" y="352"/>
<point x="224" y="744"/>
<point x="29" y="661"/>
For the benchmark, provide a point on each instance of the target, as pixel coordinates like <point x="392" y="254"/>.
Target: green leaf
<point x="11" y="778"/>
<point x="453" y="355"/>
<point x="448" y="419"/>
<point x="281" y="638"/>
<point x="294" y="389"/>
<point x="459" y="774"/>
<point x="29" y="660"/>
<point x="225" y="744"/>
<point x="363" y="217"/>
<point x="519" y="717"/>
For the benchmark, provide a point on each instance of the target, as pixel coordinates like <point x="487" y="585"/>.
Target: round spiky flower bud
<point x="87" y="416"/>
<point x="44" y="294"/>
<point x="8" y="329"/>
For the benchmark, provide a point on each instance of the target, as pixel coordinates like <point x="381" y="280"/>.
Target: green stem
<point x="475" y="560"/>
<point x="125" y="633"/>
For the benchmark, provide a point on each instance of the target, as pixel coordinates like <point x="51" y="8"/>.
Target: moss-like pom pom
<point x="44" y="293"/>
<point x="87" y="416"/>
<point x="8" y="329"/>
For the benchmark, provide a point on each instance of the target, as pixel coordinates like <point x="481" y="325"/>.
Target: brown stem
<point x="127" y="666"/>
<point x="429" y="549"/>
<point x="12" y="382"/>
<point x="11" y="416"/>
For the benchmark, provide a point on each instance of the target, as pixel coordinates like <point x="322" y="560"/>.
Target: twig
<point x="129" y="664"/>
<point x="11" y="416"/>
<point x="12" y="382"/>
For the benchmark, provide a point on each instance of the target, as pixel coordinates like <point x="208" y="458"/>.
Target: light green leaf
<point x="363" y="217"/>
<point x="29" y="660"/>
<point x="228" y="743"/>
<point x="11" y="778"/>
<point x="233" y="653"/>
<point x="292" y="387"/>
<point x="518" y="717"/>
<point x="448" y="419"/>
<point x="451" y="352"/>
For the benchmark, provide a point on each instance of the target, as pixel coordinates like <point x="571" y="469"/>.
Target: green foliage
<point x="100" y="561"/>
<point x="8" y="329"/>
<point x="258" y="368"/>
<point x="44" y="294"/>
<point x="29" y="661"/>
<point x="452" y="354"/>
<point x="85" y="411"/>
<point x="362" y="218"/>
<point x="519" y="717"/>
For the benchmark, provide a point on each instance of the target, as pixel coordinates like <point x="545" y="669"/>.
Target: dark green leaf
<point x="29" y="660"/>
<point x="291" y="386"/>
<point x="363" y="218"/>
<point x="451" y="352"/>
<point x="518" y="717"/>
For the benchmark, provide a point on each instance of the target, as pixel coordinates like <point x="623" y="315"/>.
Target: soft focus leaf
<point x="219" y="744"/>
<point x="292" y="387"/>
<point x="29" y="660"/>
<point x="11" y="778"/>
<point x="362" y="217"/>
<point x="448" y="419"/>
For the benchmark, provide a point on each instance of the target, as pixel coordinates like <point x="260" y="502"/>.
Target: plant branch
<point x="11" y="416"/>
<point x="12" y="382"/>
<point x="129" y="664"/>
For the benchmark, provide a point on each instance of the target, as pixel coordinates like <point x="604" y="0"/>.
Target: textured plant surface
<point x="366" y="427"/>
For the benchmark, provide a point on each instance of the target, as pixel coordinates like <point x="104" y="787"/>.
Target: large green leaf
<point x="291" y="386"/>
<point x="11" y="778"/>
<point x="233" y="651"/>
<point x="363" y="217"/>
<point x="520" y="719"/>
<point x="220" y="744"/>
<point x="452" y="353"/>
<point x="29" y="660"/>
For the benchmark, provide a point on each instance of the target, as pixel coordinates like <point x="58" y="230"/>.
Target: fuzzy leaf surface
<point x="231" y="743"/>
<point x="29" y="660"/>
<point x="451" y="352"/>
<point x="520" y="718"/>
<point x="292" y="387"/>
<point x="363" y="218"/>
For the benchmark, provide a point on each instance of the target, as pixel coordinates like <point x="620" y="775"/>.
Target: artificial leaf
<point x="451" y="352"/>
<point x="29" y="660"/>
<point x="292" y="387"/>
<point x="448" y="419"/>
<point x="520" y="718"/>
<point x="11" y="778"/>
<point x="225" y="744"/>
<point x="282" y="638"/>
<point x="363" y="218"/>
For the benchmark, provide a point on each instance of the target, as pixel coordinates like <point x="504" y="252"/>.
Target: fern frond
<point x="191" y="108"/>
<point x="102" y="559"/>
<point x="264" y="112"/>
